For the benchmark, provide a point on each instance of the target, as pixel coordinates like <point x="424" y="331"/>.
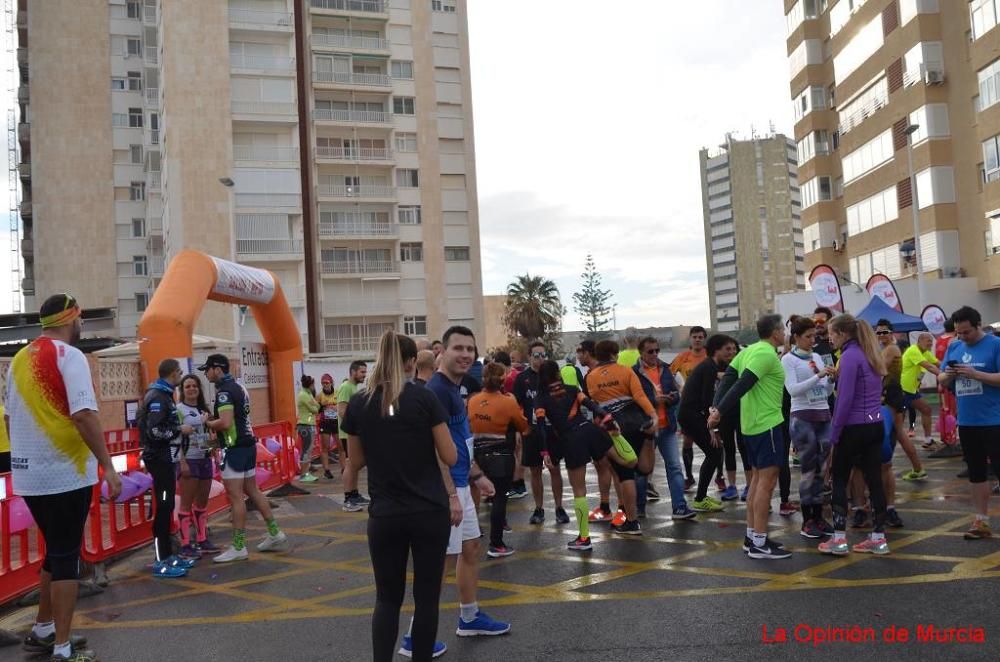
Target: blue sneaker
<point x="730" y="493"/>
<point x="164" y="570"/>
<point x="481" y="625"/>
<point x="746" y="490"/>
<point x="406" y="650"/>
<point x="179" y="562"/>
<point x="683" y="512"/>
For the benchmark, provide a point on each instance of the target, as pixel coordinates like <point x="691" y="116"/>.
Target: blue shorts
<point x="888" y="435"/>
<point x="239" y="462"/>
<point x="766" y="449"/>
<point x="910" y="398"/>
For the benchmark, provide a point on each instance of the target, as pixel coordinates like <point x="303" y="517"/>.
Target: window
<point x="411" y="252"/>
<point x="456" y="253"/>
<point x="409" y="215"/>
<point x="407" y="178"/>
<point x="810" y="51"/>
<point x="118" y="84"/>
<point x="415" y="325"/>
<point x="817" y="189"/>
<point x="989" y="85"/>
<point x="138" y="228"/>
<point x="991" y="160"/>
<point x="135" y="154"/>
<point x="135" y="118"/>
<point x="133" y="10"/>
<point x="861" y="46"/>
<point x="984" y="16"/>
<point x="869" y="156"/>
<point x="403" y="106"/>
<point x="859" y="108"/>
<point x="406" y="142"/>
<point x="402" y="69"/>
<point x="447" y="6"/>
<point x="133" y="47"/>
<point x="137" y="191"/>
<point x="119" y="120"/>
<point x="811" y="98"/>
<point x="139" y="265"/>
<point x="931" y="121"/>
<point x="881" y="208"/>
<point x="134" y="81"/>
<point x="141" y="301"/>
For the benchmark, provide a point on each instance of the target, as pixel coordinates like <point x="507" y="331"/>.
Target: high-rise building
<point x="330" y="141"/>
<point x="753" y="241"/>
<point x="871" y="80"/>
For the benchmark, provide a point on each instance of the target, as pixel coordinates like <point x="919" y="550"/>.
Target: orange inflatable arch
<point x="191" y="279"/>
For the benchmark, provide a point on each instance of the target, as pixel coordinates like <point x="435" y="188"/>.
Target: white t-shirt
<point x="198" y="448"/>
<point x="808" y="390"/>
<point x="48" y="382"/>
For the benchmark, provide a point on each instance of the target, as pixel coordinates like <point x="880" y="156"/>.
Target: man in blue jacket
<point x="659" y="386"/>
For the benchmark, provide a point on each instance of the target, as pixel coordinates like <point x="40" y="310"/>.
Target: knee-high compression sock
<point x="582" y="521"/>
<point x="200" y="523"/>
<point x="687" y="454"/>
<point x="184" y="520"/>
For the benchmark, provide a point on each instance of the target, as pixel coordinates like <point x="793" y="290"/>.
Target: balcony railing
<point x="341" y="153"/>
<point x="152" y="54"/>
<point x="355" y="308"/>
<point x="156" y="263"/>
<point x="366" y="116"/>
<point x="350" y="41"/>
<point x="278" y="200"/>
<point x="928" y="72"/>
<point x="25" y="208"/>
<point x="269" y="246"/>
<point x="360" y="267"/>
<point x="153" y="137"/>
<point x="25" y="170"/>
<point x="261" y="18"/>
<point x="24" y="131"/>
<point x="357" y="226"/>
<point x="374" y="6"/>
<point x="154" y="225"/>
<point x="350" y="345"/>
<point x="262" y="62"/>
<point x="263" y="107"/>
<point x="341" y="191"/>
<point x="149" y="14"/>
<point x="153" y="96"/>
<point x="351" y="78"/>
<point x="264" y="153"/>
<point x="153" y="180"/>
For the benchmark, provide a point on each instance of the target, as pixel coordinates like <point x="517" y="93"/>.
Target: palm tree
<point x="533" y="308"/>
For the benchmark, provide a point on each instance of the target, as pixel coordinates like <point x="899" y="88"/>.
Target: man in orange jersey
<point x="682" y="366"/>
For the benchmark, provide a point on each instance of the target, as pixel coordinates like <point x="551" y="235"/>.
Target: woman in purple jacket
<point x="856" y="431"/>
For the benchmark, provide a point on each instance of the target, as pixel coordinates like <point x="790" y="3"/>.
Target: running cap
<point x="215" y="361"/>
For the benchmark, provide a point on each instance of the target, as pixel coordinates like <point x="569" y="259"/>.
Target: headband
<point x="63" y="317"/>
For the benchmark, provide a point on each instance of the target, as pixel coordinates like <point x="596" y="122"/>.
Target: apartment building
<point x="329" y="141"/>
<point x="753" y="240"/>
<point x="875" y="85"/>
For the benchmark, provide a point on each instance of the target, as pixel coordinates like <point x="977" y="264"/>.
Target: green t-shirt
<point x="628" y="357"/>
<point x="307" y="407"/>
<point x="568" y="374"/>
<point x="760" y="408"/>
<point x="912" y="370"/>
<point x="344" y="393"/>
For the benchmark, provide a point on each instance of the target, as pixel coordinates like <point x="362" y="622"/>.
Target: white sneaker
<point x="273" y="543"/>
<point x="232" y="554"/>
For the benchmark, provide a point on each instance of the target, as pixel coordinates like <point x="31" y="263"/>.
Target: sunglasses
<point x="539" y="355"/>
<point x="653" y="351"/>
<point x="883" y="333"/>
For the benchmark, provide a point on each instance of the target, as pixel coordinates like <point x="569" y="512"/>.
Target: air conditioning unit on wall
<point x="933" y="77"/>
<point x="951" y="272"/>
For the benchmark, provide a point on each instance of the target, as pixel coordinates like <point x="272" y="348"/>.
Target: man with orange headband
<point x="56" y="444"/>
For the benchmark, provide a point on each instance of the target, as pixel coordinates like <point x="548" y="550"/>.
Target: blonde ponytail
<point x="863" y="333"/>
<point x="389" y="373"/>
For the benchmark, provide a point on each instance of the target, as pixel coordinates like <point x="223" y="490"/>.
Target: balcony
<point x="22" y="19"/>
<point x="359" y="227"/>
<point x="152" y="55"/>
<point x="27" y="247"/>
<point x="351" y="79"/>
<point x="262" y="109"/>
<point x="265" y="153"/>
<point x="25" y="209"/>
<point x="28" y="286"/>
<point x="349" y="41"/>
<point x="269" y="200"/>
<point x="254" y="19"/>
<point x="149" y="14"/>
<point x="377" y="117"/>
<point x="363" y="307"/>
<point x="360" y="267"/>
<point x="270" y="247"/>
<point x="365" y="192"/>
<point x="269" y="63"/>
<point x="351" y="6"/>
<point x="23" y="93"/>
<point x="152" y="97"/>
<point x="153" y="180"/>
<point x="156" y="264"/>
<point x="24" y="132"/>
<point x="930" y="73"/>
<point x="152" y="137"/>
<point x="24" y="169"/>
<point x="353" y="154"/>
<point x="351" y="345"/>
<point x="22" y="56"/>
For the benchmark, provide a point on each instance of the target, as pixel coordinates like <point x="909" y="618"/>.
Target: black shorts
<point x="981" y="442"/>
<point x="531" y="453"/>
<point x="586" y="442"/>
<point x="5" y="462"/>
<point x="61" y="518"/>
<point x="328" y="426"/>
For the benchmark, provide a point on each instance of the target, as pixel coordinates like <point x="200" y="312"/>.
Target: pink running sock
<point x="184" y="519"/>
<point x="201" y="522"/>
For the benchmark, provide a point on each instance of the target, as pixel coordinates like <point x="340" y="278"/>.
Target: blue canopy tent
<point x="901" y="322"/>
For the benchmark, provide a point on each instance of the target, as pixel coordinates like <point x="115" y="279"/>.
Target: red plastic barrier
<point x="21" y="553"/>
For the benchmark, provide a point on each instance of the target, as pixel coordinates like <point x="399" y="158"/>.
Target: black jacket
<point x="159" y="425"/>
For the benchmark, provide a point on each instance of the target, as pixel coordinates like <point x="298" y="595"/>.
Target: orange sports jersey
<point x="491" y="414"/>
<point x="611" y="384"/>
<point x="686" y="361"/>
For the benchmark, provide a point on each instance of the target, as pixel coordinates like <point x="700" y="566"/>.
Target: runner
<point x="518" y="489"/>
<point x="571" y="373"/>
<point x="308" y="406"/>
<point x="459" y="346"/>
<point x="857" y="431"/>
<point x="973" y="366"/>
<point x="682" y="366"/>
<point x="327" y="399"/>
<point x="525" y="390"/>
<point x="57" y="440"/>
<point x="560" y="408"/>
<point x="754" y="382"/>
<point x="808" y="382"/>
<point x="495" y="420"/>
<point x="197" y="485"/>
<point x="424" y="369"/>
<point x="918" y="359"/>
<point x="660" y="388"/>
<point x="821" y="316"/>
<point x="893" y="413"/>
<point x="890" y="353"/>
<point x="629" y="356"/>
<point x="239" y="460"/>
<point x="398" y="430"/>
<point x="585" y="356"/>
<point x="353" y="500"/>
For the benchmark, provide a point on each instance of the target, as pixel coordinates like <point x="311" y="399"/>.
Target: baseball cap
<point x="326" y="379"/>
<point x="215" y="361"/>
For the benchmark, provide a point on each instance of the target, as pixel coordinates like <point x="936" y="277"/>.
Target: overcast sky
<point x="589" y="117"/>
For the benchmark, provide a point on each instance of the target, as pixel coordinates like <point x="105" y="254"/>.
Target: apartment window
<point x="411" y="252"/>
<point x="881" y="208"/>
<point x="861" y="46"/>
<point x="447" y="6"/>
<point x="409" y="215"/>
<point x="141" y="301"/>
<point x="407" y="178"/>
<point x="406" y="142"/>
<point x="415" y="325"/>
<point x="134" y="81"/>
<point x="138" y="228"/>
<point x="118" y="85"/>
<point x="403" y="106"/>
<point x="133" y="47"/>
<point x="984" y="16"/>
<point x="811" y="98"/>
<point x="139" y="265"/>
<point x="989" y="85"/>
<point x="817" y="189"/>
<point x="135" y="118"/>
<point x="991" y="160"/>
<point x="869" y="156"/>
<point x="456" y="253"/>
<point x="133" y="9"/>
<point x="137" y="191"/>
<point x="402" y="69"/>
<point x="135" y="154"/>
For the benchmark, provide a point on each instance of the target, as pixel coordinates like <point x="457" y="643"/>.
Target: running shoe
<point x="481" y="625"/>
<point x="787" y="509"/>
<point x="929" y="444"/>
<point x="688" y="484"/>
<point x="619" y="518"/>
<point x="713" y="499"/>
<point x="796" y="461"/>
<point x="517" y="492"/>
<point x="273" y="543"/>
<point x="598" y="515"/>
<point x="537" y="517"/>
<point x="706" y="505"/>
<point x="76" y="656"/>
<point x="811" y="529"/>
<point x="35" y="644"/>
<point x="893" y="519"/>
<point x="232" y="554"/>
<point x="683" y="512"/>
<point x="499" y="551"/>
<point x="179" y="562"/>
<point x="651" y="493"/>
<point x="561" y="516"/>
<point x="328" y="474"/>
<point x="190" y="553"/>
<point x="835" y="546"/>
<point x="163" y="570"/>
<point x="747" y="543"/>
<point x="630" y="528"/>
<point x="730" y="493"/>
<point x="208" y="547"/>
<point x="871" y="546"/>
<point x="720" y="483"/>
<point x="580" y="544"/>
<point x="307" y="478"/>
<point x="964" y="473"/>
<point x="362" y="499"/>
<point x="352" y="506"/>
<point x="860" y="519"/>
<point x="746" y="491"/>
<point x="913" y="474"/>
<point x="979" y="530"/>
<point x="406" y="650"/>
<point x="826" y="527"/>
<point x="769" y="550"/>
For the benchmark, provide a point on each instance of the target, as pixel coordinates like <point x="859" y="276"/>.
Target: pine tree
<point x="591" y="302"/>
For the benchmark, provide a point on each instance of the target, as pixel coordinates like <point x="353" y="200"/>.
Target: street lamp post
<point x="614" y="317"/>
<point x="915" y="208"/>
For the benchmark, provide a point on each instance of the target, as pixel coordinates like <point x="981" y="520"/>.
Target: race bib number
<point x="816" y="395"/>
<point x="965" y="386"/>
<point x="330" y="412"/>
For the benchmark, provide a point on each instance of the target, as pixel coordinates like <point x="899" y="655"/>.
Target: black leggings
<point x="164" y="487"/>
<point x="390" y="542"/>
<point x="860" y="446"/>
<point x="700" y="435"/>
<point x="499" y="468"/>
<point x="785" y="471"/>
